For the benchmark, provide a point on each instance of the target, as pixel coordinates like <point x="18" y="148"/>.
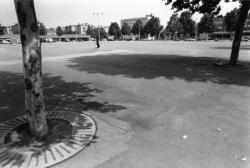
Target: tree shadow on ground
<point x="58" y="94"/>
<point x="190" y="69"/>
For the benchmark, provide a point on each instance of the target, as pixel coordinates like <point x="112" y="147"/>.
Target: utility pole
<point x="148" y="16"/>
<point x="197" y="31"/>
<point x="76" y="32"/>
<point x="97" y="14"/>
<point x="139" y="33"/>
<point x="196" y="28"/>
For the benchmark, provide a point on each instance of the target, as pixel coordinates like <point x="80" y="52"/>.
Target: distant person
<point x="97" y="42"/>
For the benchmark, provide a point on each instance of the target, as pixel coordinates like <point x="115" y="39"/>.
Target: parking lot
<point x="184" y="111"/>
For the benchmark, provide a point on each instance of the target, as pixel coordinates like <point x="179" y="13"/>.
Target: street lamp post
<point x="76" y="32"/>
<point x="97" y="14"/>
<point x="223" y="30"/>
<point x="197" y="31"/>
<point x="139" y="33"/>
<point x="196" y="28"/>
<point x="148" y="16"/>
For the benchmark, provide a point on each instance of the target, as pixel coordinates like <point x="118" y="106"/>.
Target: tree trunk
<point x="31" y="49"/>
<point x="239" y="31"/>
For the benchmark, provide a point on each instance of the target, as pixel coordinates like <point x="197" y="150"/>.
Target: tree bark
<point x="32" y="67"/>
<point x="239" y="31"/>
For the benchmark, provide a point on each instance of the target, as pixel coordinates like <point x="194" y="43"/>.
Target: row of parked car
<point x="45" y="40"/>
<point x="9" y="41"/>
<point x="50" y="40"/>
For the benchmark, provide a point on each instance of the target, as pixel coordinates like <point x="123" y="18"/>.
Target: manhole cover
<point x="69" y="132"/>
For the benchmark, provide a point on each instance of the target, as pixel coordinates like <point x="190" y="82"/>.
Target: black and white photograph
<point x="124" y="83"/>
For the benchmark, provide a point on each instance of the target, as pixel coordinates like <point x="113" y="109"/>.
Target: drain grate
<point x="69" y="133"/>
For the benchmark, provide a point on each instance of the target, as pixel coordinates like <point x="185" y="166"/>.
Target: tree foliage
<point x="103" y="33"/>
<point x="230" y="20"/>
<point x="206" y="24"/>
<point x="126" y="30"/>
<point x="187" y="23"/>
<point x="1" y="30"/>
<point x="153" y="27"/>
<point x="201" y="6"/>
<point x="68" y="30"/>
<point x="91" y="31"/>
<point x="114" y="30"/>
<point x="183" y="25"/>
<point x="137" y="27"/>
<point x="41" y="29"/>
<point x="213" y="6"/>
<point x="59" y="31"/>
<point x="173" y="25"/>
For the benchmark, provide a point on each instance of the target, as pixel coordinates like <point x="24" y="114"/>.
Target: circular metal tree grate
<point x="69" y="133"/>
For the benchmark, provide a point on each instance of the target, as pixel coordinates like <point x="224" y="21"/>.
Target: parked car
<point x="189" y="39"/>
<point x="111" y="38"/>
<point x="10" y="41"/>
<point x="50" y="40"/>
<point x="65" y="40"/>
<point x="47" y="40"/>
<point x="244" y="39"/>
<point x="18" y="41"/>
<point x="5" y="41"/>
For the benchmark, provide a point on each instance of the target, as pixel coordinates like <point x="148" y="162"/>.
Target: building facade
<point x="106" y="28"/>
<point x="247" y="24"/>
<point x="69" y="29"/>
<point x="51" y="32"/>
<point x="132" y="21"/>
<point x="218" y="22"/>
<point x="76" y="29"/>
<point x="5" y="30"/>
<point x="81" y="28"/>
<point x="221" y="33"/>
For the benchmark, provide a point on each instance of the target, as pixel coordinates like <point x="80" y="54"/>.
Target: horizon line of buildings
<point x="70" y="29"/>
<point x="81" y="29"/>
<point x="131" y="21"/>
<point x="220" y="28"/>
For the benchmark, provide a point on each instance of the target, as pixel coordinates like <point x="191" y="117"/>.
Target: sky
<point x="55" y="13"/>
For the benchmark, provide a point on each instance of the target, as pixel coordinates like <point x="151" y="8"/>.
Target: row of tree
<point x="92" y="31"/>
<point x="229" y="22"/>
<point x="151" y="28"/>
<point x="180" y="26"/>
<point x="41" y="29"/>
<point x="184" y="25"/>
<point x="214" y="7"/>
